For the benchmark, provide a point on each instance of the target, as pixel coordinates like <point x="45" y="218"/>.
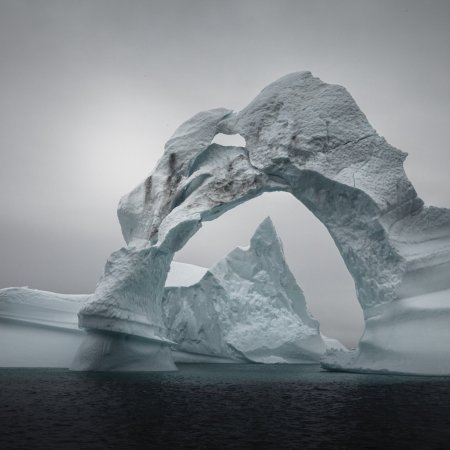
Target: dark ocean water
<point x="222" y="406"/>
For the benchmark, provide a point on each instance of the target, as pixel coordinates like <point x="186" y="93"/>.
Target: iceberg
<point x="308" y="138"/>
<point x="246" y="308"/>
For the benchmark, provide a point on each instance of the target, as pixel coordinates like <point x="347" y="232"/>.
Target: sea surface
<point x="209" y="406"/>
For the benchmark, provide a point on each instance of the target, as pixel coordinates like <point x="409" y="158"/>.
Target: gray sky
<point x="91" y="89"/>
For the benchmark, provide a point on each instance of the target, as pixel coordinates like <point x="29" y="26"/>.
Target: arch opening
<point x="229" y="140"/>
<point x="309" y="250"/>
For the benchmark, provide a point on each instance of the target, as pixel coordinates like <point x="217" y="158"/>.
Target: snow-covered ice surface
<point x="308" y="138"/>
<point x="247" y="307"/>
<point x="41" y="307"/>
<point x="183" y="274"/>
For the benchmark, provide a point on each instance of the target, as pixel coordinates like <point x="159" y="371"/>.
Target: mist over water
<point x="222" y="406"/>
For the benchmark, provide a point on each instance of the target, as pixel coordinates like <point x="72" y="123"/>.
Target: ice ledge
<point x="141" y="329"/>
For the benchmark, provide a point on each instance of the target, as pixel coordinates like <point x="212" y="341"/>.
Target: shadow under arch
<point x="309" y="250"/>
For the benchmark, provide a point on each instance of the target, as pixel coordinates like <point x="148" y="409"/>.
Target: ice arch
<point x="310" y="139"/>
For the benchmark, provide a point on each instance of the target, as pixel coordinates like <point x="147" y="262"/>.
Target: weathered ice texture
<point x="308" y="138"/>
<point x="248" y="307"/>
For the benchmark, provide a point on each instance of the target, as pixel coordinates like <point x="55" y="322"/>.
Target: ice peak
<point x="247" y="306"/>
<point x="265" y="235"/>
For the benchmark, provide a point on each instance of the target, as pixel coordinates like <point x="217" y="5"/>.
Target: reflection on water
<point x="222" y="406"/>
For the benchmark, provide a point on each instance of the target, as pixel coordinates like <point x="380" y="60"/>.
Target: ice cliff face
<point x="39" y="328"/>
<point x="248" y="307"/>
<point x="308" y="138"/>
